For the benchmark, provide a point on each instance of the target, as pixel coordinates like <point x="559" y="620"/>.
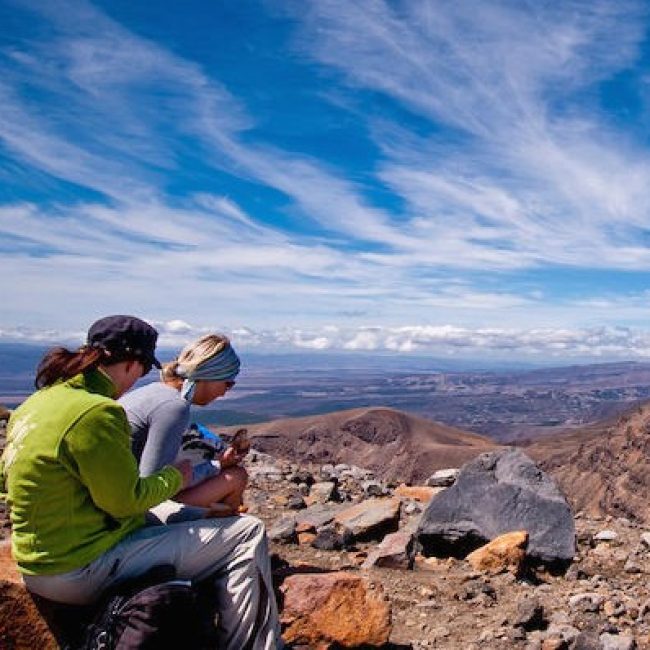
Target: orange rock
<point x="504" y="553"/>
<point x="8" y="569"/>
<point x="306" y="538"/>
<point x="21" y="625"/>
<point x="334" y="608"/>
<point x="417" y="492"/>
<point x="305" y="527"/>
<point x="423" y="563"/>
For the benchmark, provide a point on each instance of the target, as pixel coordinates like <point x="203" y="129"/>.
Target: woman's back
<point x="67" y="451"/>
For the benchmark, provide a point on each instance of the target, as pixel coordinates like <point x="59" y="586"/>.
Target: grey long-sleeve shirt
<point x="159" y="417"/>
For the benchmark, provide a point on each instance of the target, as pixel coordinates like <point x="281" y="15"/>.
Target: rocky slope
<point x="601" y="603"/>
<point x="603" y="469"/>
<point x="393" y="444"/>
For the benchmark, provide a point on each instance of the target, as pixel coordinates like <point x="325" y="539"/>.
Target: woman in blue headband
<point x="159" y="415"/>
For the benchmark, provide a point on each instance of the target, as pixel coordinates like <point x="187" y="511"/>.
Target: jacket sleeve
<point x="99" y="451"/>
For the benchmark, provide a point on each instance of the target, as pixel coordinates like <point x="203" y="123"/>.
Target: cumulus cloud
<point x="539" y="344"/>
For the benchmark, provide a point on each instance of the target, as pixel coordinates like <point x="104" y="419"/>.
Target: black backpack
<point x="162" y="615"/>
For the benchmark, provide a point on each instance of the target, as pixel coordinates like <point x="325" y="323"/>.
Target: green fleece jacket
<point x="71" y="481"/>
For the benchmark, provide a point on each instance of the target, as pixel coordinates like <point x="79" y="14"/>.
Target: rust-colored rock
<point x="306" y="538"/>
<point x="504" y="553"/>
<point x="340" y="608"/>
<point x="21" y="625"/>
<point x="420" y="493"/>
<point x="8" y="569"/>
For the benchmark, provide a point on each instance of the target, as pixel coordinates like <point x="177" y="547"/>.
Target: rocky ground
<point x="601" y="602"/>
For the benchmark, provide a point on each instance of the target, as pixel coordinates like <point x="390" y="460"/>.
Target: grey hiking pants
<point x="231" y="550"/>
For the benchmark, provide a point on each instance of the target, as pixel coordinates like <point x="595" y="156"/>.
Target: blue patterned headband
<point x="223" y="366"/>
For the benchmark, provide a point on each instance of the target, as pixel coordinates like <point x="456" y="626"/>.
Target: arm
<point x="167" y="424"/>
<point x="98" y="450"/>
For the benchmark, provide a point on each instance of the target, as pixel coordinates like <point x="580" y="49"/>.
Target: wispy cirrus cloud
<point x="490" y="158"/>
<point x="522" y="169"/>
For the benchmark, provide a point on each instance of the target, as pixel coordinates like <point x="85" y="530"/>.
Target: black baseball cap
<point x="125" y="337"/>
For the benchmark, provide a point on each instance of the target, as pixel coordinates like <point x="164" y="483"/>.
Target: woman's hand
<point x="231" y="457"/>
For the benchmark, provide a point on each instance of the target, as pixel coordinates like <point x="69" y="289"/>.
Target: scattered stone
<point x="412" y="508"/>
<point x="420" y="493"/>
<point x="554" y="643"/>
<point x="373" y="489"/>
<point x="617" y="642"/>
<point x="566" y="633"/>
<point x="306" y="538"/>
<point x="331" y="538"/>
<point x="632" y="564"/>
<point x="302" y="477"/>
<point x="314" y="517"/>
<point x="586" y="602"/>
<point x="322" y="492"/>
<point x="283" y="531"/>
<point x="504" y="553"/>
<point x="334" y="608"/>
<point x="530" y="615"/>
<point x="443" y="478"/>
<point x="587" y="641"/>
<point x="394" y="552"/>
<point x="370" y="519"/>
<point x="296" y="502"/>
<point x="645" y="539"/>
<point x="606" y="536"/>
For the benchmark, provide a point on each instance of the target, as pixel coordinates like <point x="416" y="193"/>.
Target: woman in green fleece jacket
<point x="77" y="502"/>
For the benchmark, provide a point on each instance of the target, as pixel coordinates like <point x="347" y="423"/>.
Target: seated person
<point x="159" y="415"/>
<point x="77" y="500"/>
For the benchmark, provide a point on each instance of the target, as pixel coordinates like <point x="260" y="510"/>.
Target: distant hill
<point x="395" y="445"/>
<point x="605" y="467"/>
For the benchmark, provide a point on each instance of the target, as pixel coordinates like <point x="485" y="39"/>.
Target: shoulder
<point x="102" y="419"/>
<point x="156" y="392"/>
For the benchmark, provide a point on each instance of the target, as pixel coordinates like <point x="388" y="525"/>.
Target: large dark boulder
<point x="496" y="493"/>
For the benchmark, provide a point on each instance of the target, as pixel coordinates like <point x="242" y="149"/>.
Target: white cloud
<point x="520" y="183"/>
<point x="538" y="344"/>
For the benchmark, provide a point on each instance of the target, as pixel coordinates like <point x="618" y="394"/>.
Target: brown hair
<point x="60" y="363"/>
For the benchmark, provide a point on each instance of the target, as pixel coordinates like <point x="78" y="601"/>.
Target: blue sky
<point x="445" y="177"/>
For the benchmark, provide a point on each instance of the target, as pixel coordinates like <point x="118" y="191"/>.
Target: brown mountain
<point x="395" y="445"/>
<point x="604" y="468"/>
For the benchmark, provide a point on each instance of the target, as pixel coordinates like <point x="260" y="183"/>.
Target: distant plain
<point x="509" y="404"/>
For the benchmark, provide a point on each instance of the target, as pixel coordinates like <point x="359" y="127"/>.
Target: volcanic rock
<point x="443" y="478"/>
<point x="21" y="623"/>
<point x="497" y="493"/>
<point x="504" y="553"/>
<point x="321" y="610"/>
<point x="416" y="492"/>
<point x="370" y="519"/>
<point x="393" y="552"/>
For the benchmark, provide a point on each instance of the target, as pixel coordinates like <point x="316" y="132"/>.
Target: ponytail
<point x="61" y="364"/>
<point x="169" y="371"/>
